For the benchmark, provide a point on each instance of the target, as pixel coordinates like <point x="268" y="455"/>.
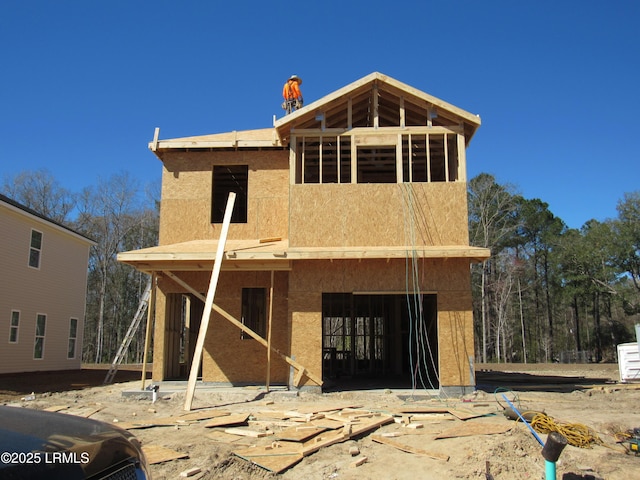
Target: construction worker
<point x="291" y="94"/>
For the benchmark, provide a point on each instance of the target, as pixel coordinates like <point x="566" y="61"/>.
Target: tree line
<point x="548" y="292"/>
<point x="551" y="293"/>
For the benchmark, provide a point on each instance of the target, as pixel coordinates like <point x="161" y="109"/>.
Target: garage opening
<point x="385" y="339"/>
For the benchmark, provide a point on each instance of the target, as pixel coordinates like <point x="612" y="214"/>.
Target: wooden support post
<point x="151" y="308"/>
<point x="269" y="320"/>
<point x="206" y="314"/>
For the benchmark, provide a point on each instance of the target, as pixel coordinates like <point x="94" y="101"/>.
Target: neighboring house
<point x="44" y="285"/>
<point x="353" y="212"/>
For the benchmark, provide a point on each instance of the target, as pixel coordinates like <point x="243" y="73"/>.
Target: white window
<point x="15" y="325"/>
<point x="73" y="335"/>
<point x="35" y="249"/>
<point x="38" y="349"/>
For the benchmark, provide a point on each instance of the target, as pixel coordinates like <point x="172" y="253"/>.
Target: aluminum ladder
<point x="133" y="328"/>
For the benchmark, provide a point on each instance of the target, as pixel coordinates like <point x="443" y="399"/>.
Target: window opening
<point x="226" y="179"/>
<point x="35" y="249"/>
<point x="452" y="157"/>
<point x="437" y="158"/>
<point x="15" y="325"/>
<point x="329" y="155"/>
<point x="377" y="165"/>
<point x="254" y="302"/>
<point x="73" y="335"/>
<point x="38" y="349"/>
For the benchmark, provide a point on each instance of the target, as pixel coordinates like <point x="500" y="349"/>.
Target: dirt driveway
<point x="381" y="434"/>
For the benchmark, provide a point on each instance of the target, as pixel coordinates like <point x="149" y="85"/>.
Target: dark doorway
<point x="388" y="338"/>
<point x="183" y="325"/>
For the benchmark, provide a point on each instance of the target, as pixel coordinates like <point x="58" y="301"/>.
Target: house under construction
<point x="347" y="255"/>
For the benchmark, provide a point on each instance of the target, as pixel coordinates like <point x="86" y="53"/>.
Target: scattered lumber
<point x="298" y="442"/>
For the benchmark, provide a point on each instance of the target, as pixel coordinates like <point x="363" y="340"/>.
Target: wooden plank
<point x="245" y="432"/>
<point x="408" y="448"/>
<point x="269" y="322"/>
<point x="206" y="314"/>
<point x="158" y="454"/>
<point x="463" y="414"/>
<point x="201" y="415"/>
<point x="227" y="420"/>
<point x="151" y="307"/>
<point x="154" y="143"/>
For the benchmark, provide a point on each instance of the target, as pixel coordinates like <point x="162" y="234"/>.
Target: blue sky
<point x="84" y="83"/>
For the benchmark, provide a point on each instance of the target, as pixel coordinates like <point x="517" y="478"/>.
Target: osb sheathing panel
<point x="227" y="357"/>
<point x="185" y="212"/>
<point x="378" y="214"/>
<point x="306" y="331"/>
<point x="450" y="279"/>
<point x="455" y="338"/>
<point x="297" y="328"/>
<point x="378" y="275"/>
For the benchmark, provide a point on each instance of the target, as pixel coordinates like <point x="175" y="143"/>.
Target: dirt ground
<point x="575" y="394"/>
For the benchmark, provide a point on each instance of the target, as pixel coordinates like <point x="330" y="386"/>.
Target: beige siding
<point x="57" y="289"/>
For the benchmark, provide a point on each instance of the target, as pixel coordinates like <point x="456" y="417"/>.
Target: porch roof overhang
<point x="255" y="255"/>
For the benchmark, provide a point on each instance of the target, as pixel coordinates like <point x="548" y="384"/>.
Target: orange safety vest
<point x="291" y="91"/>
<point x="295" y="90"/>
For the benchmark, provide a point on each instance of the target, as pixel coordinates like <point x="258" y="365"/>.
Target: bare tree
<point x="113" y="215"/>
<point x="41" y="192"/>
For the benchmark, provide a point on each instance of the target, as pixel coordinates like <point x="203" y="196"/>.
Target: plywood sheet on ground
<point x="480" y="428"/>
<point x="158" y="454"/>
<point x="300" y="433"/>
<point x="276" y="457"/>
<point x="222" y="437"/>
<point x="184" y="419"/>
<point x="226" y="420"/>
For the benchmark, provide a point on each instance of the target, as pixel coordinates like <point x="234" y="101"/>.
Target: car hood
<point x="89" y="446"/>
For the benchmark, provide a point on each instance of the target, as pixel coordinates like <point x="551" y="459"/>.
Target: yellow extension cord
<point x="577" y="434"/>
